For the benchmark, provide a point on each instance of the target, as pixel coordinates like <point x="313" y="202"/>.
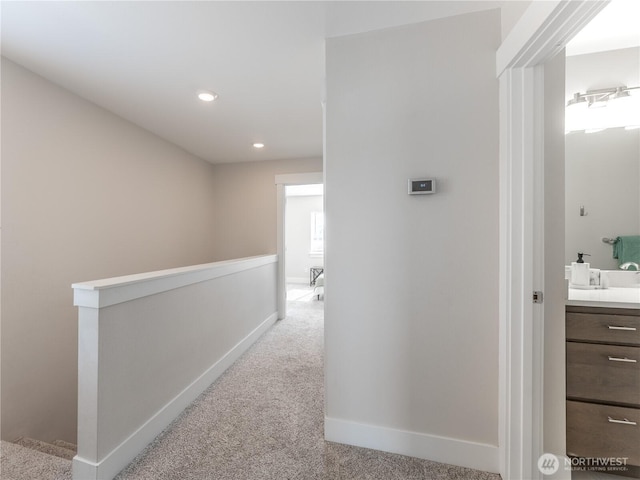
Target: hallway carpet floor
<point x="263" y="420"/>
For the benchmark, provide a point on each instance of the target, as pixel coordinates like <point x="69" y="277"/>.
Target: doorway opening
<point x="602" y="204"/>
<point x="303" y="181"/>
<point x="540" y="34"/>
<point x="304" y="245"/>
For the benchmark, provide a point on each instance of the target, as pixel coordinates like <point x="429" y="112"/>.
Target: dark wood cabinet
<point x="596" y="430"/>
<point x="619" y="329"/>
<point x="603" y="384"/>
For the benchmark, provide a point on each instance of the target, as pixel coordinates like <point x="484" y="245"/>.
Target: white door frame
<point x="541" y="33"/>
<point x="282" y="181"/>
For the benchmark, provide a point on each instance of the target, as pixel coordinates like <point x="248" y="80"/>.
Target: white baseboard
<point x="124" y="453"/>
<point x="420" y="445"/>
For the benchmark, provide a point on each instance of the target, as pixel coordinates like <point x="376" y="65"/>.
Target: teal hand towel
<point x="627" y="249"/>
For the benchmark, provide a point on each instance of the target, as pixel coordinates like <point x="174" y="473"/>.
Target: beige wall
<point x="85" y="195"/>
<point x="245" y="210"/>
<point x="88" y="195"/>
<point x="412" y="338"/>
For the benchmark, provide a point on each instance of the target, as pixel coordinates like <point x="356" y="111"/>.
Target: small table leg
<point x="314" y="273"/>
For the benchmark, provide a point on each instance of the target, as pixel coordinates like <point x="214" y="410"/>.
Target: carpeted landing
<point x="30" y="459"/>
<point x="263" y="420"/>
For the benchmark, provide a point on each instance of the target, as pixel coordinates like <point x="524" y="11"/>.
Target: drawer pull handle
<point x="624" y="422"/>
<point x="625" y="359"/>
<point x="628" y="329"/>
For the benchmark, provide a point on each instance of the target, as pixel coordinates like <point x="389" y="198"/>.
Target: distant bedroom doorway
<point x="304" y="243"/>
<point x="300" y="239"/>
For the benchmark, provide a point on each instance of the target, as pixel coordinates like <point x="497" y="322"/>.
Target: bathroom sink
<point x="623" y="279"/>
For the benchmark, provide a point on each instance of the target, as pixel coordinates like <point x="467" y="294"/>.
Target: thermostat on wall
<point x="422" y="186"/>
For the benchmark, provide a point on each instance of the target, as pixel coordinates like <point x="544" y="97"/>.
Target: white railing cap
<point x="110" y="291"/>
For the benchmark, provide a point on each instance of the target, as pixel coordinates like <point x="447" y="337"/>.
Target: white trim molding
<point x="543" y="30"/>
<point x="299" y="178"/>
<point x="452" y="451"/>
<point x="541" y="33"/>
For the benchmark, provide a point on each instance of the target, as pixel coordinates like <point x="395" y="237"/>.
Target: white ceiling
<point x="616" y="26"/>
<point x="145" y="61"/>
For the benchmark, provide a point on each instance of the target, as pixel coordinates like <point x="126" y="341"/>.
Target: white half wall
<point x="150" y="344"/>
<point x="411" y="317"/>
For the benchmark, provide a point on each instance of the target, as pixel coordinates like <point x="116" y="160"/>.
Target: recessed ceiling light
<point x="207" y="96"/>
<point x="258" y="145"/>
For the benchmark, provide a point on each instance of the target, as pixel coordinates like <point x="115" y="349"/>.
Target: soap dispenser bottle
<point x="580" y="271"/>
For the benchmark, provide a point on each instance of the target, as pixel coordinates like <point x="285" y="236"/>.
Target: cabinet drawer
<point x="591" y="327"/>
<point x="603" y="431"/>
<point x="609" y="373"/>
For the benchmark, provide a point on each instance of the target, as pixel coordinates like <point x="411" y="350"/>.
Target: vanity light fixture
<point x="604" y="108"/>
<point x="577" y="101"/>
<point x="207" y="96"/>
<point x="599" y="98"/>
<point x="621" y="92"/>
<point x="258" y="145"/>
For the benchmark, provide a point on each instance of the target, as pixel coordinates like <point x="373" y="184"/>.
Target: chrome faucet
<point x="625" y="266"/>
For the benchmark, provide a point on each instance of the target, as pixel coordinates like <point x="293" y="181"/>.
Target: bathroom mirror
<point x="602" y="190"/>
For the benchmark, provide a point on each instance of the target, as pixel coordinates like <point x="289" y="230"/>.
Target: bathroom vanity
<point x="603" y="376"/>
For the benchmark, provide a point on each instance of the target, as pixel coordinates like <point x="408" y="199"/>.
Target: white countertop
<point x="614" y="297"/>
